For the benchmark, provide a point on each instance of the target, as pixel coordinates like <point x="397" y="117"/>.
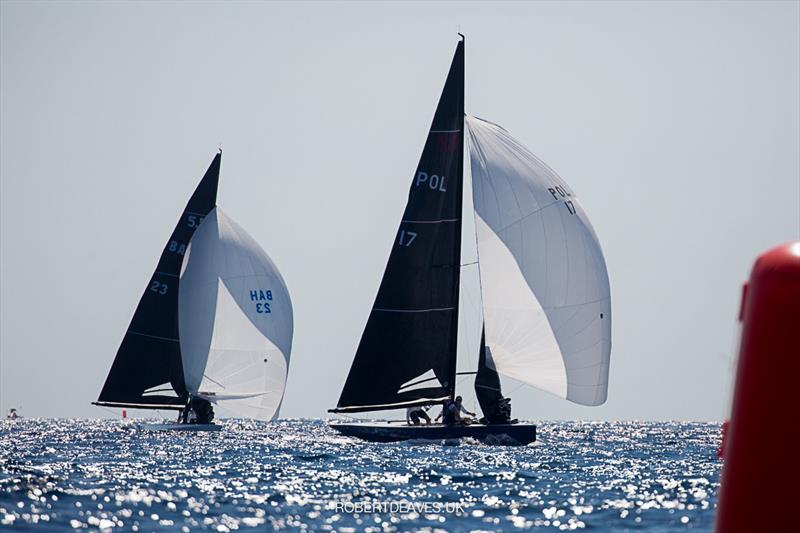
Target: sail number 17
<point x="406" y="238"/>
<point x="559" y="193"/>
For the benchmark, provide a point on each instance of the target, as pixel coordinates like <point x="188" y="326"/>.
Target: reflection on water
<point x="298" y="474"/>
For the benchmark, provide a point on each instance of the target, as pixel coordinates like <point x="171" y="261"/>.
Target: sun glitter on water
<point x="104" y="475"/>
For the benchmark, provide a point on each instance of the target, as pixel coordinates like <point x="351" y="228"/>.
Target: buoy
<point x="124" y="413"/>
<point x="761" y="465"/>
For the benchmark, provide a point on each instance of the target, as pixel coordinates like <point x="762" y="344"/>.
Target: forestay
<point x="546" y="298"/>
<point x="235" y="321"/>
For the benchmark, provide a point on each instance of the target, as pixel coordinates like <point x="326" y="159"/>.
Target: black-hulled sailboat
<point x="214" y="325"/>
<point x="544" y="287"/>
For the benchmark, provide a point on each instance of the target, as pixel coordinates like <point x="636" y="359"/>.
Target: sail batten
<point x="149" y="354"/>
<point x="413" y="325"/>
<point x="547" y="306"/>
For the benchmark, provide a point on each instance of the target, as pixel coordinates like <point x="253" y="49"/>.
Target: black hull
<point x="499" y="434"/>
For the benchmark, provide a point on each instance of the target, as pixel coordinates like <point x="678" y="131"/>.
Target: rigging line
<point x="468" y="264"/>
<point x="521" y="384"/>
<point x="246" y="369"/>
<point x="475" y="226"/>
<point x="212" y="379"/>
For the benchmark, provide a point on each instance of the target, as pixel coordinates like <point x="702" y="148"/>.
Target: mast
<point x="147" y="372"/>
<point x="412" y="330"/>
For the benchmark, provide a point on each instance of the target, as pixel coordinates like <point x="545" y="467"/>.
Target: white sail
<point x="546" y="297"/>
<point x="235" y="321"/>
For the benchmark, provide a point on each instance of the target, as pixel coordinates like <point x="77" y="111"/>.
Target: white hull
<point x="173" y="426"/>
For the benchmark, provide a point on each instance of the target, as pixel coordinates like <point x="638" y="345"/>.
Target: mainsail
<point x="407" y="353"/>
<point x="147" y="371"/>
<point x="235" y="321"/>
<point x="546" y="297"/>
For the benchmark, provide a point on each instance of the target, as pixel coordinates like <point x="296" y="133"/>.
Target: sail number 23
<point x="159" y="287"/>
<point x="263" y="299"/>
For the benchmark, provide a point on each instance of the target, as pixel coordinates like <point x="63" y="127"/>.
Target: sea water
<point x="294" y="475"/>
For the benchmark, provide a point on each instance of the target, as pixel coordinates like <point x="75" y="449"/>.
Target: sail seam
<point x="391" y="405"/>
<point x="445" y="131"/>
<point x="565" y="306"/>
<point x="166" y="274"/>
<point x="584" y="328"/>
<point x="412" y="310"/>
<point x="429" y="221"/>
<point x="601" y="363"/>
<point x="153" y="336"/>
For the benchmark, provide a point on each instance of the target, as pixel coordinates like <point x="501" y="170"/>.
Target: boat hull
<point x="502" y="434"/>
<point x="178" y="427"/>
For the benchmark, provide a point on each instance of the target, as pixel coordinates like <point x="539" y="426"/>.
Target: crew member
<point x="414" y="414"/>
<point x="451" y="412"/>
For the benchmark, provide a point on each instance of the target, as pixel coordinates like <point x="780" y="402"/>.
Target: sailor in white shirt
<point x="414" y="414"/>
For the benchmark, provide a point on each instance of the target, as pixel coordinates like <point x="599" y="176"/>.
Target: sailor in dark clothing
<point x="197" y="411"/>
<point x="414" y="414"/>
<point x="498" y="412"/>
<point x="451" y="413"/>
<point x="183" y="416"/>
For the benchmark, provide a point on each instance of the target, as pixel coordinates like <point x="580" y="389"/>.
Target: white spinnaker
<point x="546" y="296"/>
<point x="235" y="321"/>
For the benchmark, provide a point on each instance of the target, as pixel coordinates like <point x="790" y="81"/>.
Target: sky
<point x="677" y="124"/>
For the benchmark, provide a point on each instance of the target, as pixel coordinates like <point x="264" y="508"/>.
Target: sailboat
<point x="544" y="287"/>
<point x="214" y="323"/>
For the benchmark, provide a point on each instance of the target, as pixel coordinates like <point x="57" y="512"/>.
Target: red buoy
<point x="762" y="466"/>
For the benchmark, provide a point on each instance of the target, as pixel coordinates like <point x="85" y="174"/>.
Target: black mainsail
<point x="412" y="329"/>
<point x="147" y="371"/>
